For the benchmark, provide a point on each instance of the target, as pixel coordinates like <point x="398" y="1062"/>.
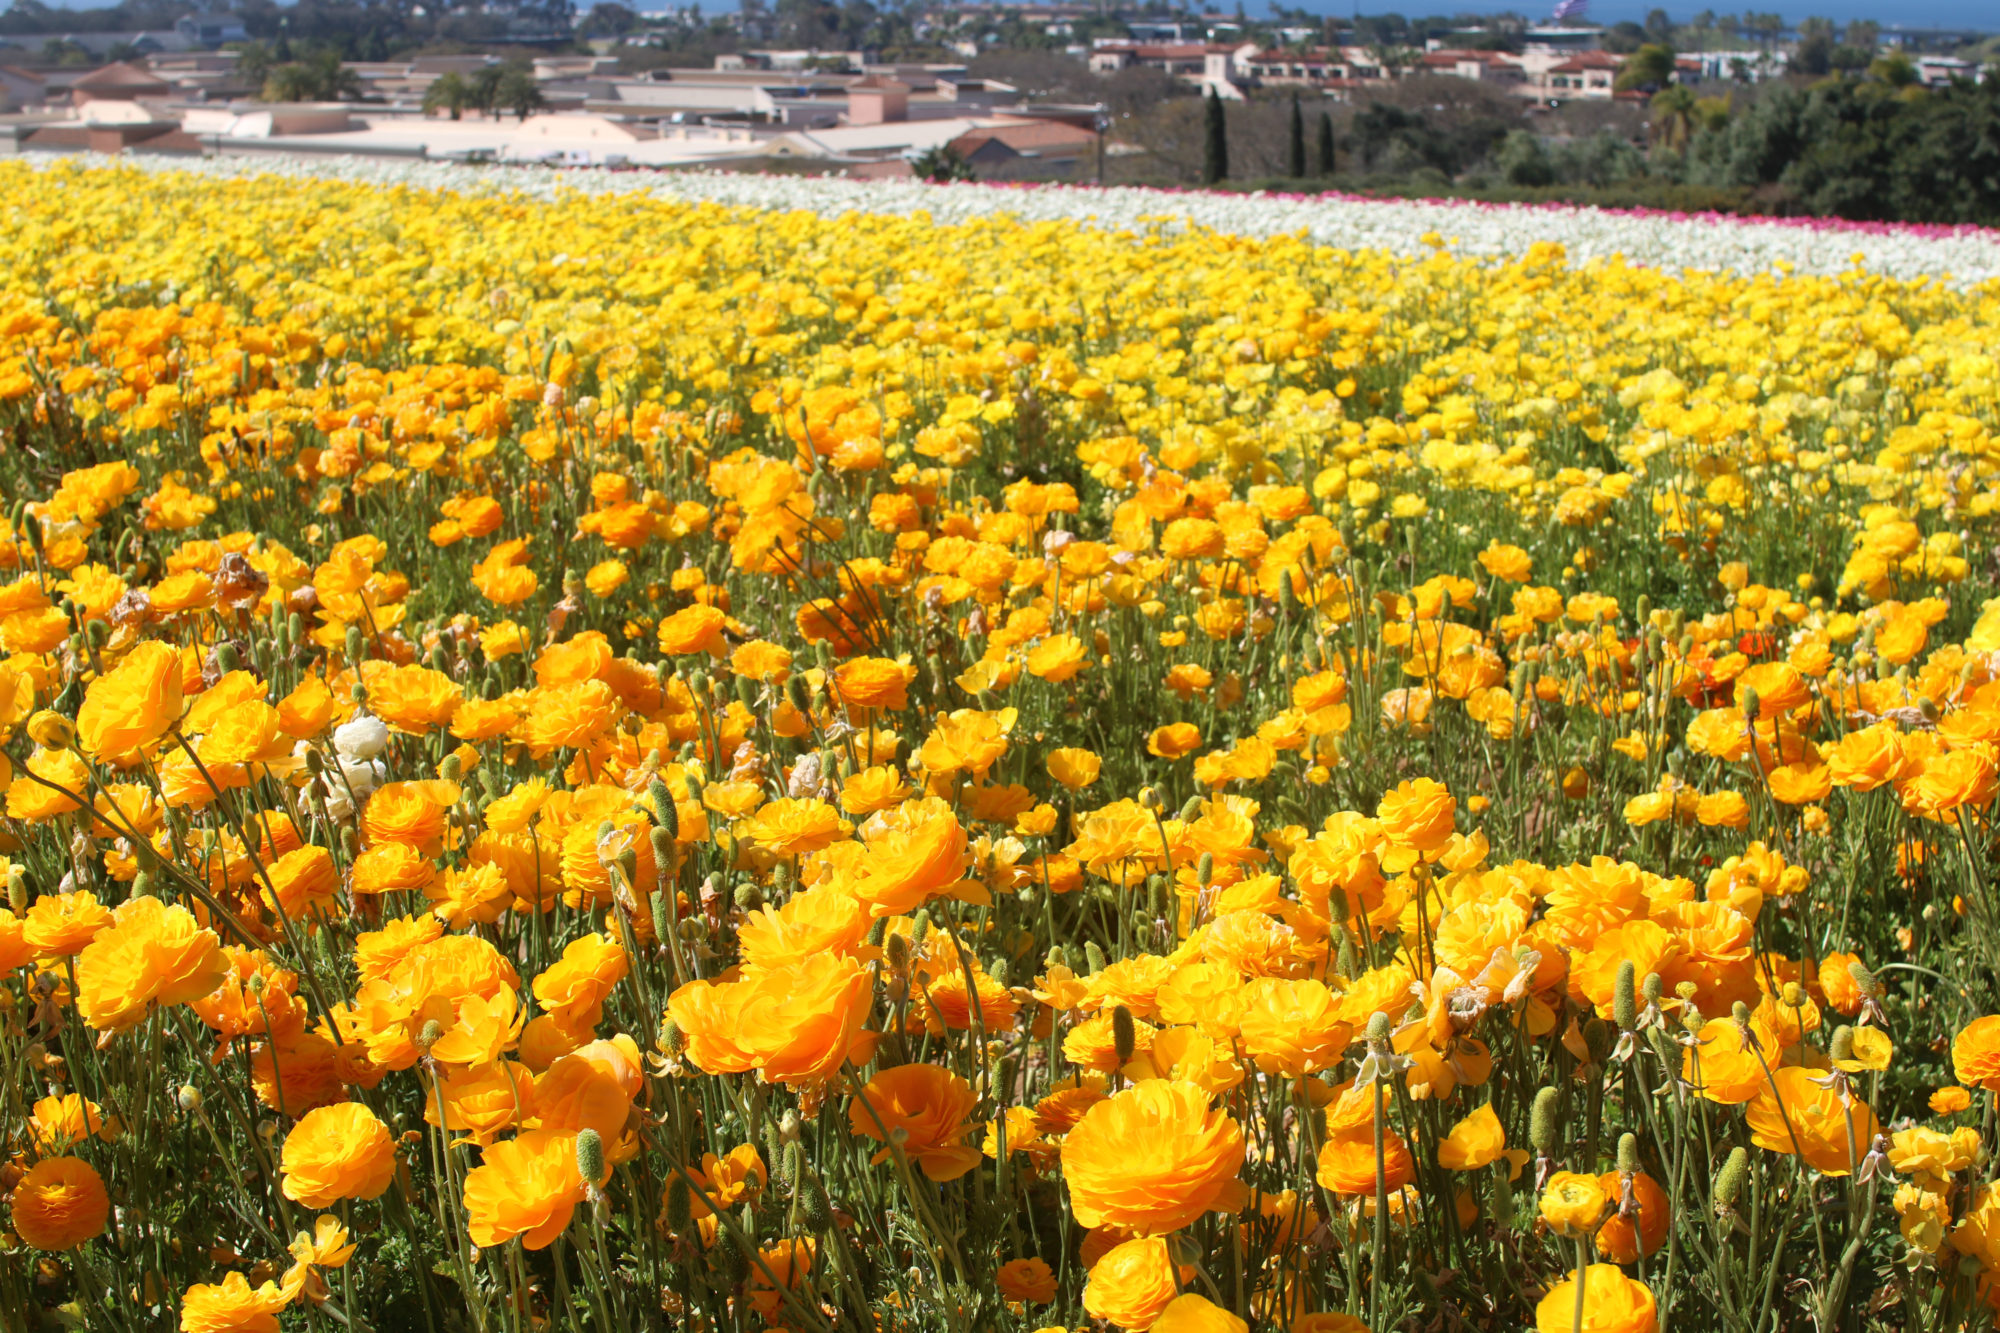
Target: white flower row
<point x="1702" y="242"/>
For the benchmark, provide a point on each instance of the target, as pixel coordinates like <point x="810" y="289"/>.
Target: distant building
<point x="20" y="90"/>
<point x="119" y="81"/>
<point x="211" y="30"/>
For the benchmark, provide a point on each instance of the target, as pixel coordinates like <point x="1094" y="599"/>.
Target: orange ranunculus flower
<point x="694" y="629"/>
<point x="1288" y="1027"/>
<point x="59" y="1122"/>
<point x="67" y="780"/>
<point x="1477" y="1141"/>
<point x="1347" y="1164"/>
<point x="1612" y="1303"/>
<point x="874" y="682"/>
<point x="133" y="704"/>
<point x="151" y="954"/>
<point x="930" y="1105"/>
<point x="789" y="1261"/>
<point x="60" y="1203"/>
<point x="725" y="1182"/>
<point x="59" y="925"/>
<point x="797" y="1022"/>
<point x="1418" y="815"/>
<point x="569" y="717"/>
<point x="573" y="988"/>
<point x="232" y="1306"/>
<point x="1173" y="740"/>
<point x="527" y="1187"/>
<point x="337" y="1152"/>
<point x="1192" y="1313"/>
<point x="1724" y="1064"/>
<point x="1950" y="782"/>
<point x="907" y="867"/>
<point x="1573" y="1204"/>
<point x="821" y="920"/>
<point x="790" y="827"/>
<point x="484" y="1100"/>
<point x="592" y="1087"/>
<point x="1975" y="1054"/>
<point x="15" y="951"/>
<point x="1623" y="1239"/>
<point x="1131" y="1284"/>
<point x="1075" y="769"/>
<point x="1152" y="1159"/>
<point x="411" y="813"/>
<point x="1794" y="1114"/>
<point x="1029" y="1280"/>
<point x="414" y="699"/>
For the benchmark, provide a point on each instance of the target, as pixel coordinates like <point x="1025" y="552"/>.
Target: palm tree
<point x="449" y="93"/>
<point x="518" y="92"/>
<point x="1674" y="116"/>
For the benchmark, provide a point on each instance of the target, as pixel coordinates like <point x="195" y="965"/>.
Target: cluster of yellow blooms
<point x="615" y="764"/>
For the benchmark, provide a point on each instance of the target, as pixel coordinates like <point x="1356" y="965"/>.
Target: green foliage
<point x="1865" y="150"/>
<point x="942" y="165"/>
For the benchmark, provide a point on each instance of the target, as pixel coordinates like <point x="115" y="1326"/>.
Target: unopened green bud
<point x="1652" y="987"/>
<point x="590" y="1156"/>
<point x="1864" y="980"/>
<point x="1093" y="958"/>
<point x="1379" y="1029"/>
<point x="142" y="884"/>
<point x="1204" y="869"/>
<point x="1729" y="1181"/>
<point x="797" y="694"/>
<point x="1190" y="808"/>
<point x="1544" y="1121"/>
<point x="430" y="1035"/>
<point x="1628" y="1153"/>
<point x="1842" y="1045"/>
<point x="1752" y="704"/>
<point x="1624" y="999"/>
<point x="1124" y="1033"/>
<point x="749" y="895"/>
<point x="680" y="1205"/>
<point x="920" y="928"/>
<point x="356" y="643"/>
<point x="1597" y="1039"/>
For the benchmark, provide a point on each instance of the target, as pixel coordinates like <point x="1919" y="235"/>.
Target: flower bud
<point x="189" y="1098"/>
<point x="663" y="847"/>
<point x="1204" y="869"/>
<point x="798" y="694"/>
<point x="1093" y="958"/>
<point x="1597" y="1039"/>
<point x="1752" y="704"/>
<point x="1543" y="1121"/>
<point x="1624" y="1002"/>
<point x="1628" y="1153"/>
<point x="1191" y="809"/>
<point x="51" y="730"/>
<point x="1378" y="1028"/>
<point x="1842" y="1045"/>
<point x="672" y="1040"/>
<point x="590" y="1156"/>
<point x="1729" y="1181"/>
<point x="356" y="641"/>
<point x="451" y="767"/>
<point x="666" y="814"/>
<point x="1652" y="987"/>
<point x="430" y="1035"/>
<point x="1149" y="799"/>
<point x="142" y="884"/>
<point x="1124" y="1033"/>
<point x="1864" y="980"/>
<point x="920" y="928"/>
<point x="680" y="1205"/>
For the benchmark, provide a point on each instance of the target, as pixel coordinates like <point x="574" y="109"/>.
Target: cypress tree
<point x="1295" y="146"/>
<point x="1325" y="144"/>
<point x="1215" y="145"/>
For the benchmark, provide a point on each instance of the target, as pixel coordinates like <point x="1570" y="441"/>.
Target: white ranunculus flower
<point x="363" y="737"/>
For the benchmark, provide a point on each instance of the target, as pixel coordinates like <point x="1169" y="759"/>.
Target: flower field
<point x="586" y="757"/>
